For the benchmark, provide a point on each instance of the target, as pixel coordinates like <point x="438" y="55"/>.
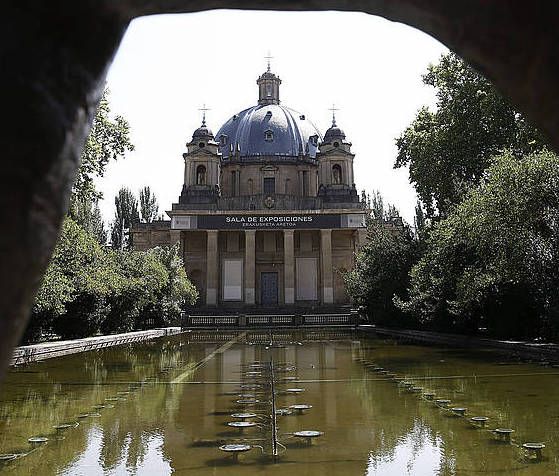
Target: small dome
<point x="203" y="132"/>
<point x="333" y="134"/>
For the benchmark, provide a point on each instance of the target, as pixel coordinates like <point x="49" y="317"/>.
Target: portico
<point x="285" y="266"/>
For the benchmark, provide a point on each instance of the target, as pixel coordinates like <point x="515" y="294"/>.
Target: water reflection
<point x="149" y="462"/>
<point x="419" y="452"/>
<point x="166" y="405"/>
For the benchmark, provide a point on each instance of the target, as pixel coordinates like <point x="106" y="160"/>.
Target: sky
<point x="169" y="66"/>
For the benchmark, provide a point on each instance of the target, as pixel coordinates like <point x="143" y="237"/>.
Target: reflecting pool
<point x="235" y="403"/>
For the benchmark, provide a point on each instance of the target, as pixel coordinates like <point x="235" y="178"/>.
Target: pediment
<point x="331" y="152"/>
<point x="201" y="152"/>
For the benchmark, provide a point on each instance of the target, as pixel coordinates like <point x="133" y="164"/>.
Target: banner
<point x="267" y="222"/>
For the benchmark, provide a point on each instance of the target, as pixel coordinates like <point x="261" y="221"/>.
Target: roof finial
<point x="333" y="109"/>
<point x="204" y="109"/>
<point x="268" y="58"/>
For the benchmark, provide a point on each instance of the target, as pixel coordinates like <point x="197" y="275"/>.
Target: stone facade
<point x="268" y="214"/>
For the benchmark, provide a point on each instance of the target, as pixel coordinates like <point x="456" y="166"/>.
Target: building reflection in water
<point x="370" y="426"/>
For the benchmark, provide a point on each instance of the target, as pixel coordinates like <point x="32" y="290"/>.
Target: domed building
<point x="268" y="214"/>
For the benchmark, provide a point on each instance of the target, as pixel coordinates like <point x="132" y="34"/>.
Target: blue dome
<point x="268" y="130"/>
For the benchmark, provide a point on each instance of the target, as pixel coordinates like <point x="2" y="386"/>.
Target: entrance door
<point x="269" y="288"/>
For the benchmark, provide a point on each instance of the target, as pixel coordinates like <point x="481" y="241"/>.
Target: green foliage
<point x="177" y="289"/>
<point x="376" y="205"/>
<point x="486" y="223"/>
<point x="381" y="272"/>
<point x="87" y="214"/>
<point x="448" y="150"/>
<point x="88" y="289"/>
<point x="126" y="214"/>
<point x="79" y="276"/>
<point x="494" y="262"/>
<point x="148" y="205"/>
<point x="109" y="139"/>
<point x="420" y="222"/>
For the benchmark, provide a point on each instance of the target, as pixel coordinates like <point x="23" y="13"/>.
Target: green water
<point x="170" y="401"/>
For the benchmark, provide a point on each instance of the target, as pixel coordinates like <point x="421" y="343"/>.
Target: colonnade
<point x="326" y="277"/>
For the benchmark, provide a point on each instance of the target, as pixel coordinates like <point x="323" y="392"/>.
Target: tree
<point x="419" y="221"/>
<point x="109" y="139"/>
<point x="72" y="296"/>
<point x="142" y="276"/>
<point x="391" y="212"/>
<point x="494" y="261"/>
<point x="126" y="214"/>
<point x="448" y="150"/>
<point x="148" y="205"/>
<point x="381" y="272"/>
<point x="177" y="291"/>
<point x="87" y="214"/>
<point x="376" y="205"/>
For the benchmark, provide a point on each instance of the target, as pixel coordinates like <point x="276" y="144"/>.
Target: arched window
<point x="336" y="174"/>
<point x="200" y="175"/>
<point x="268" y="135"/>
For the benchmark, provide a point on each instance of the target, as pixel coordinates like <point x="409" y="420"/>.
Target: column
<point x="326" y="260"/>
<point x="212" y="262"/>
<point x="289" y="267"/>
<point x="250" y="266"/>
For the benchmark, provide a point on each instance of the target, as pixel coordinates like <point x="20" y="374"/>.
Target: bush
<point x="88" y="289"/>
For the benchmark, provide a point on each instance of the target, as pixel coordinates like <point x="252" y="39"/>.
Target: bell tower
<point x="201" y="166"/>
<point x="336" y="166"/>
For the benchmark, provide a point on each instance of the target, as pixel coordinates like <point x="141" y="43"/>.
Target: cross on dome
<point x="333" y="109"/>
<point x="268" y="58"/>
<point x="204" y="109"/>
